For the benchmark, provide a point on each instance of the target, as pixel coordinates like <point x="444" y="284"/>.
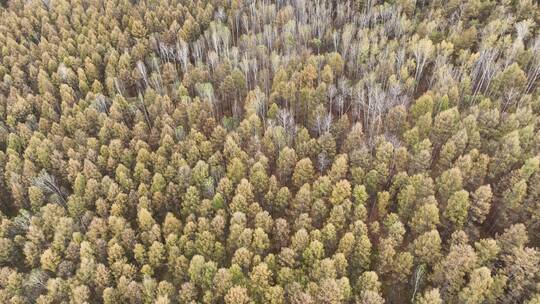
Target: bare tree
<point x="63" y="71"/>
<point x="417" y="279"/>
<point x="260" y="104"/>
<point x="198" y="50"/>
<point x="358" y="99"/>
<point x="400" y="60"/>
<point x="35" y="283"/>
<point x="120" y="89"/>
<point x="48" y="184"/>
<point x="102" y="104"/>
<point x="141" y="67"/>
<point x="323" y="161"/>
<point x="534" y="66"/>
<point x="206" y="91"/>
<point x="21" y="222"/>
<point x="156" y="78"/>
<point x="484" y="69"/>
<point x="374" y="106"/>
<point x="47" y="3"/>
<point x="182" y="53"/>
<point x="212" y="59"/>
<point x="286" y="119"/>
<point x="346" y="38"/>
<point x="323" y="123"/>
<point x="422" y="50"/>
<point x="509" y="98"/>
<point x="335" y="40"/>
<point x="523" y="29"/>
<point x="144" y="109"/>
<point x="167" y="53"/>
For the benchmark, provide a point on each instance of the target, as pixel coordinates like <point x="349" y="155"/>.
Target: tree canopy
<point x="298" y="151"/>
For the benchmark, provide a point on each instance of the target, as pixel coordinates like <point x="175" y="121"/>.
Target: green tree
<point x="431" y="296"/>
<point x="427" y="247"/>
<point x="286" y="163"/>
<point x="478" y="286"/>
<point x="303" y="172"/>
<point x="457" y="209"/>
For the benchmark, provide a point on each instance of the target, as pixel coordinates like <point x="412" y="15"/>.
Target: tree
<point x="422" y="106"/>
<point x="237" y="295"/>
<point x="48" y="184"/>
<point x="259" y="178"/>
<point x="522" y="263"/>
<point x="508" y="153"/>
<point x="286" y="163"/>
<point x="478" y="286"/>
<point x="303" y="172"/>
<point x="8" y="253"/>
<point x="329" y="292"/>
<point x="235" y="170"/>
<point x="426" y="216"/>
<point x="509" y="83"/>
<point x="422" y="50"/>
<point x="269" y="152"/>
<point x="431" y="296"/>
<point x="457" y="208"/>
<point x="481" y="203"/>
<point x="50" y="260"/>
<point x="453" y="276"/>
<point x="444" y="126"/>
<point x="260" y="279"/>
<point x="354" y="139"/>
<point x="448" y="183"/>
<point x="369" y="288"/>
<point x="339" y="168"/>
<point x="340" y="192"/>
<point x="427" y="247"/>
<point x="327" y="145"/>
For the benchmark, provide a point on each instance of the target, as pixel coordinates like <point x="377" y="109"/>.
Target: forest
<point x="269" y="151"/>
